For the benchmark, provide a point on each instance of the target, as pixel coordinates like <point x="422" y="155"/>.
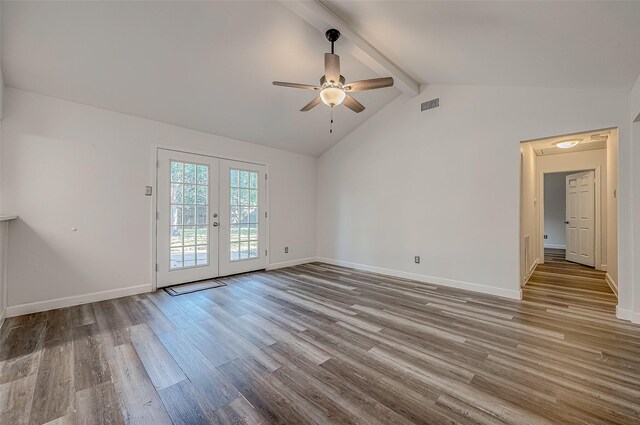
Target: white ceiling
<point x="589" y="140"/>
<point x="585" y="44"/>
<point x="207" y="66"/>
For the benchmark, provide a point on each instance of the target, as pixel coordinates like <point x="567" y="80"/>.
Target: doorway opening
<point x="211" y="217"/>
<point x="568" y="203"/>
<point x="568" y="211"/>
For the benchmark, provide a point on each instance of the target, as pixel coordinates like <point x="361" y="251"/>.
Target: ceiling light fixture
<point x="332" y="94"/>
<point x="567" y="144"/>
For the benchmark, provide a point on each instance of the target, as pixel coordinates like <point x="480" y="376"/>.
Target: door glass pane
<point x="202" y="175"/>
<point x="189" y="256"/>
<point x="243" y="215"/>
<point x="176" y="258"/>
<point x="189" y="206"/>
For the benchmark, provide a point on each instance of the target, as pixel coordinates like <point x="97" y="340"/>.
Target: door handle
<point x="566" y="222"/>
<point x="216" y="224"/>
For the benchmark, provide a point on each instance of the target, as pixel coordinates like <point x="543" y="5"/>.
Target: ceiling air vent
<point x="430" y="104"/>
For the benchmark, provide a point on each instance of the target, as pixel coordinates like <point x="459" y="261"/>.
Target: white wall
<point x="4" y="237"/>
<point x="66" y="165"/>
<point x="444" y="183"/>
<point x="632" y="308"/>
<point x="555" y="210"/>
<point x="4" y="228"/>
<point x="529" y="219"/>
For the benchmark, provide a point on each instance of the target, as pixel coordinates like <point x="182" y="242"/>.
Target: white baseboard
<point x="612" y="284"/>
<point x="475" y="287"/>
<point x="531" y="270"/>
<point x="35" y="307"/>
<point x="554" y="246"/>
<point x="291" y="263"/>
<point x="603" y="267"/>
<point x="623" y="313"/>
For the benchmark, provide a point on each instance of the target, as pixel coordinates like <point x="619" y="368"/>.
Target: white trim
<point x="35" y="307"/>
<point x="623" y="313"/>
<point x="531" y="270"/>
<point x="612" y="284"/>
<point x="598" y="205"/>
<point x="291" y="263"/>
<point x="603" y="267"/>
<point x="554" y="246"/>
<point x="475" y="287"/>
<point x="5" y="229"/>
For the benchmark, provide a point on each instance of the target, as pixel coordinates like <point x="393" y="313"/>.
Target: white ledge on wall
<point x="5" y="219"/>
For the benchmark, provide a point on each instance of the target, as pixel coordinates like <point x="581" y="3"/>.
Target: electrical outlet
<point x="416" y="259"/>
<point x="546" y="236"/>
<point x="286" y="249"/>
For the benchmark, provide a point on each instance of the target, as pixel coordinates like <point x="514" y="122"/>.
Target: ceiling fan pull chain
<point x="331" y="124"/>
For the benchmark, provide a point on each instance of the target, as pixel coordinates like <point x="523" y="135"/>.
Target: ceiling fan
<point x="332" y="88"/>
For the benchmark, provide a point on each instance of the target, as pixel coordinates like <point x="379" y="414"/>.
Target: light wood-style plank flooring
<point x="322" y="344"/>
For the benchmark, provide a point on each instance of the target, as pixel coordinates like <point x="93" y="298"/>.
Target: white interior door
<point x="187" y="217"/>
<point x="580" y="193"/>
<point x="242" y="217"/>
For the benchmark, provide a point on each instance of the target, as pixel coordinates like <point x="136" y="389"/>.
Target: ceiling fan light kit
<point x="332" y="95"/>
<point x="332" y="88"/>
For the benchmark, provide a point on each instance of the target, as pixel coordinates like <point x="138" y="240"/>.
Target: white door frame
<point x="598" y="216"/>
<point x="154" y="198"/>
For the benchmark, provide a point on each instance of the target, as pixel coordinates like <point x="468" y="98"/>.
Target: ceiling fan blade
<point x="352" y="104"/>
<point x="296" y="85"/>
<point x="332" y="67"/>
<point x="374" y="83"/>
<point x="315" y="102"/>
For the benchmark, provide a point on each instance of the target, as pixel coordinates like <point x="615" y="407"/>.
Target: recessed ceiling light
<point x="566" y="144"/>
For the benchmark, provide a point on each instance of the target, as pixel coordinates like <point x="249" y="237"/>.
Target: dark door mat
<point x="187" y="288"/>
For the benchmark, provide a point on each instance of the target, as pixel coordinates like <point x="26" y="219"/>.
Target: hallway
<point x="569" y="285"/>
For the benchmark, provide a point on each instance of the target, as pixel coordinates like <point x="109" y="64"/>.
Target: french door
<point x="210" y="216"/>
<point x="242" y="219"/>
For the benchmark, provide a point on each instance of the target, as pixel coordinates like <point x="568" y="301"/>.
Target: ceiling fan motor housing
<point x="332" y="35"/>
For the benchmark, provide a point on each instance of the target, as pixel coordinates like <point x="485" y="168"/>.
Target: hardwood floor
<point x="324" y="344"/>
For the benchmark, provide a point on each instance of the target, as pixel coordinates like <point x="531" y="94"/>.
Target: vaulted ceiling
<point x="208" y="66"/>
<point x="569" y="44"/>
